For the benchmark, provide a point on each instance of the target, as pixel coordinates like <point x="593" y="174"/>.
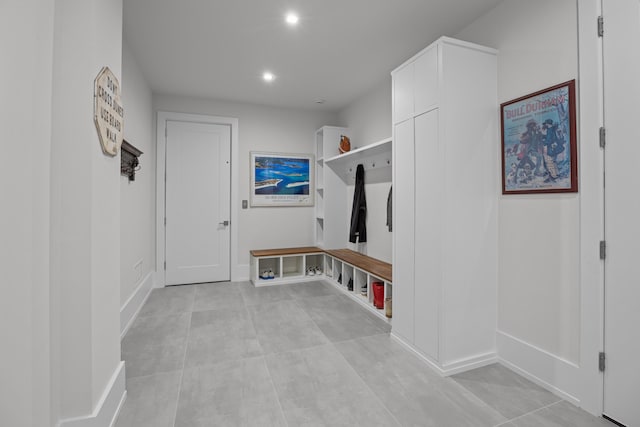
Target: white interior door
<point x="197" y="203"/>
<point x="622" y="210"/>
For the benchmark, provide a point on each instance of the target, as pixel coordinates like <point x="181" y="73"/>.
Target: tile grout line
<point x="264" y="358"/>
<point x="528" y="413"/>
<point x="184" y="358"/>
<point x="363" y="380"/>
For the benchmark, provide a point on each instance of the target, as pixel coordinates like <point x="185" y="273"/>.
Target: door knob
<point x="225" y="223"/>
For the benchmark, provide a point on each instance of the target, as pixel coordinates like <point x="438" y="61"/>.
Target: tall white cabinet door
<point x="403" y="94"/>
<point x="403" y="223"/>
<point x="428" y="225"/>
<point x="622" y="205"/>
<point x="426" y="80"/>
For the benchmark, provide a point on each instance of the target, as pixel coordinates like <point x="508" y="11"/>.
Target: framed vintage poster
<point x="281" y="179"/>
<point x="539" y="152"/>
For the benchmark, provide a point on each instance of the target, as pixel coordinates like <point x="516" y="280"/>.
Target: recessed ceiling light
<point x="320" y="101"/>
<point x="268" y="76"/>
<point x="292" y="19"/>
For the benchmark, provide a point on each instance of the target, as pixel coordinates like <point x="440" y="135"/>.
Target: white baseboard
<point x="549" y="371"/>
<point x="240" y="273"/>
<point x="452" y="368"/>
<point x="131" y="308"/>
<point x="108" y="407"/>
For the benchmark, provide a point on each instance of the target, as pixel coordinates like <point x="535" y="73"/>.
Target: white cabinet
<point x="445" y="184"/>
<point x="331" y="225"/>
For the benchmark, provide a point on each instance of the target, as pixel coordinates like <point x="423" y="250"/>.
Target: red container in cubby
<point x="378" y="294"/>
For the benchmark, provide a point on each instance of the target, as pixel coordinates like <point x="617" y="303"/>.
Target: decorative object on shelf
<point x="129" y="163"/>
<point x="539" y="152"/>
<point x="388" y="310"/>
<point x="345" y="144"/>
<point x="282" y="179"/>
<point x="107" y="111"/>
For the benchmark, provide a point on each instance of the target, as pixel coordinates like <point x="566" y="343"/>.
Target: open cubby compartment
<point x="372" y="280"/>
<point x="388" y="299"/>
<point x="347" y="274"/>
<point x="360" y="284"/>
<point x="328" y="266"/>
<point x="315" y="261"/>
<point x="337" y="271"/>
<point x="292" y="266"/>
<point x="266" y="264"/>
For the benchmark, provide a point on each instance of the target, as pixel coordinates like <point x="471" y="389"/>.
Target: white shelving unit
<point x="331" y="228"/>
<point x="376" y="159"/>
<point x="339" y="272"/>
<point x="286" y="267"/>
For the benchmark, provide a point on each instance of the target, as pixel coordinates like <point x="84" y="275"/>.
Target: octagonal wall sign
<point x="108" y="112"/>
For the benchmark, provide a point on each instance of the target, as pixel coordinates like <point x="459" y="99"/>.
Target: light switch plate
<point x="244" y="204"/>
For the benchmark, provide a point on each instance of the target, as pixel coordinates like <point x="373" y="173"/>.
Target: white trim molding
<point x="130" y="309"/>
<point x="108" y="407"/>
<point x="161" y="143"/>
<point x="559" y="376"/>
<point x="451" y="368"/>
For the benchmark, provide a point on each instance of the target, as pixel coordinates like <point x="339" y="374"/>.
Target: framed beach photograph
<point x="282" y="179"/>
<point x="539" y="153"/>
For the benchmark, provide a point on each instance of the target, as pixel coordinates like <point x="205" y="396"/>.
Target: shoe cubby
<point x="292" y="266"/>
<point x="314" y="265"/>
<point x="361" y="285"/>
<point x="337" y="271"/>
<point x="268" y="265"/>
<point x="328" y="266"/>
<point x="347" y="276"/>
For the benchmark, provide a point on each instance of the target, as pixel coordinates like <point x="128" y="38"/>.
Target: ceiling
<point x="339" y="50"/>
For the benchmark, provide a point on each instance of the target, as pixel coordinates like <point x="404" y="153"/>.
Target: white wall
<point x="539" y="294"/>
<point x="369" y="120"/>
<point x="369" y="117"/>
<point x="137" y="198"/>
<point x="26" y="44"/>
<point x="270" y="129"/>
<point x="538" y="235"/>
<point x="85" y="214"/>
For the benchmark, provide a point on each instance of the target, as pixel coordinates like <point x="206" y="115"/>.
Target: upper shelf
<point x="376" y="159"/>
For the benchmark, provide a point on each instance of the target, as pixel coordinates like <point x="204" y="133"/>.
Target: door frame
<point x="590" y="381"/>
<point x="161" y="150"/>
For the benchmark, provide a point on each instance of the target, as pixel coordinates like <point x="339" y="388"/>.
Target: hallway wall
<point x="270" y="129"/>
<point x="539" y="289"/>
<point x="26" y="28"/>
<point x="137" y="198"/>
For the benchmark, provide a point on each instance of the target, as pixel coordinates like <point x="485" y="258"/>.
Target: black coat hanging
<point x="358" y="231"/>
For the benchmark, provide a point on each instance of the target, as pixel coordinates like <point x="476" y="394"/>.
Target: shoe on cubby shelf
<point x="340" y="278"/>
<point x="350" y="284"/>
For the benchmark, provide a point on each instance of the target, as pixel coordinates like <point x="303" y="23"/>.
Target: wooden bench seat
<point x="286" y="251"/>
<point x="374" y="266"/>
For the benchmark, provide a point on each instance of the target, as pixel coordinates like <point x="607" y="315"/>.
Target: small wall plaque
<point x="108" y="112"/>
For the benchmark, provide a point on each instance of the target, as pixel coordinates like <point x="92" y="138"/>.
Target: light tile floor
<point x="230" y="354"/>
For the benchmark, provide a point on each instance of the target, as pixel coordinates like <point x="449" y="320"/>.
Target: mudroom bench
<point x="365" y="279"/>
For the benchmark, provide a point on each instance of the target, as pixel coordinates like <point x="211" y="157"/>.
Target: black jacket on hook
<point x="359" y="211"/>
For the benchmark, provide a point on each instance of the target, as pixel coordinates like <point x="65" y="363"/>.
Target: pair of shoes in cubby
<point x="314" y="271"/>
<point x="267" y="274"/>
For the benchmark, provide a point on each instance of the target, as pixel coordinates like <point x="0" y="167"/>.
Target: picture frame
<point x="539" y="148"/>
<point x="282" y="179"/>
